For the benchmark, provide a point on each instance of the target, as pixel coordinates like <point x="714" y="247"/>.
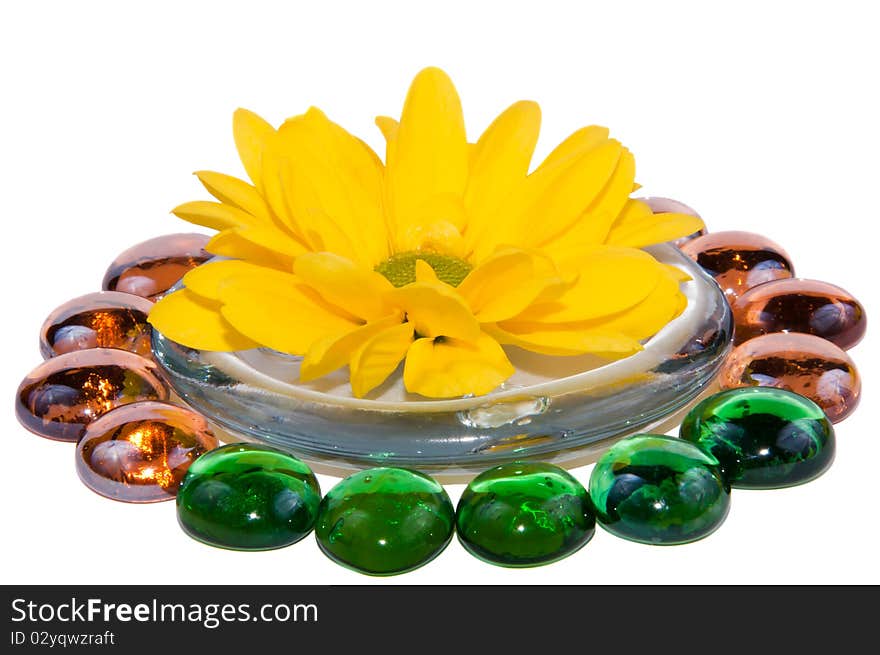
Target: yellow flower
<point x="436" y="258"/>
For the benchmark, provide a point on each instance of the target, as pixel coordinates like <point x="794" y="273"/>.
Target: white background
<point x="763" y="117"/>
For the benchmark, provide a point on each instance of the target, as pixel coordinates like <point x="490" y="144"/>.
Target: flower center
<point x="400" y="269"/>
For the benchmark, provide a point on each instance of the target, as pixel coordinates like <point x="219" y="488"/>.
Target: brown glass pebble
<point x="796" y="305"/>
<point x="151" y="268"/>
<point x="661" y="205"/>
<point x="140" y="452"/>
<point x="802" y="363"/>
<point x="64" y="394"/>
<point x="104" y="319"/>
<point x="739" y="260"/>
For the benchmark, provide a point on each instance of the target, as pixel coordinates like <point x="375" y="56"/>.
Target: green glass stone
<point x="385" y="521"/>
<point x="659" y="490"/>
<point x="248" y="497"/>
<point x="524" y="514"/>
<point x="764" y="438"/>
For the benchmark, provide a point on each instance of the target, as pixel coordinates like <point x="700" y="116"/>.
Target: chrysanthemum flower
<point x="436" y="258"/>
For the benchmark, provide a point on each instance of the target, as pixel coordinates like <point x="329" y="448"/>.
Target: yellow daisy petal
<point x="677" y="274"/>
<point x="435" y="309"/>
<point x="575" y="145"/>
<point x="390" y="129"/>
<point x="360" y="291"/>
<point x="574" y="188"/>
<point x="232" y="191"/>
<point x="378" y="357"/>
<point x="499" y="162"/>
<point x="278" y="245"/>
<point x="282" y="314"/>
<point x="214" y="215"/>
<point x="425" y="273"/>
<point x="231" y="243"/>
<point x="610" y="280"/>
<point x="329" y="179"/>
<point x="195" y="322"/>
<point x="645" y="319"/>
<point x="565" y="340"/>
<point x="650" y="228"/>
<point x="432" y="236"/>
<point x="207" y="280"/>
<point x="507" y="283"/>
<point x="333" y="352"/>
<point x="446" y="368"/>
<point x="430" y="155"/>
<point x="250" y="132"/>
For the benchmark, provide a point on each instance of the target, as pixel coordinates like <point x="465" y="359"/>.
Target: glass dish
<point x="552" y="408"/>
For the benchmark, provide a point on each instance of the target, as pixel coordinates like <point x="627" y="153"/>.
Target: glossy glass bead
<point x="149" y="269"/>
<point x="60" y="397"/>
<point x="659" y="490"/>
<point x="524" y="514"/>
<point x="661" y="205"/>
<point x="385" y="521"/>
<point x="140" y="452"/>
<point x="764" y="438"/>
<point x="245" y="496"/>
<point x="796" y="305"/>
<point x="802" y="363"/>
<point x="105" y="319"/>
<point x="739" y="260"/>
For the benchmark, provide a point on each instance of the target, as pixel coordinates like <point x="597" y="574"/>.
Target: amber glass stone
<point x="150" y="268"/>
<point x="105" y="319"/>
<point x="802" y="363"/>
<point x="739" y="260"/>
<point x="60" y="397"/>
<point x="661" y="205"/>
<point x="796" y="305"/>
<point x="139" y="453"/>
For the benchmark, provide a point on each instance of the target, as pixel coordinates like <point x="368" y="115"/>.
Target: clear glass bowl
<point x="552" y="408"/>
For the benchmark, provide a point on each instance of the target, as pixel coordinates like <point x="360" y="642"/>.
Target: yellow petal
<point x="446" y="368"/>
<point x="378" y="357"/>
<point x="207" y="280"/>
<point x="432" y="236"/>
<point x="592" y="227"/>
<point x="565" y="340"/>
<point x="435" y="309"/>
<point x="575" y="145"/>
<point x="677" y="274"/>
<point x="499" y="162"/>
<point x="279" y="313"/>
<point x="645" y="319"/>
<point x="430" y="156"/>
<point x="651" y="228"/>
<point x="330" y="181"/>
<point x="214" y="215"/>
<point x="195" y="322"/>
<point x="425" y="273"/>
<point x="338" y="280"/>
<point x="573" y="190"/>
<point x="232" y="243"/>
<point x="284" y="248"/>
<point x="250" y="132"/>
<point x="333" y="352"/>
<point x="390" y="129"/>
<point x="232" y="191"/>
<point x="610" y="280"/>
<point x="507" y="283"/>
